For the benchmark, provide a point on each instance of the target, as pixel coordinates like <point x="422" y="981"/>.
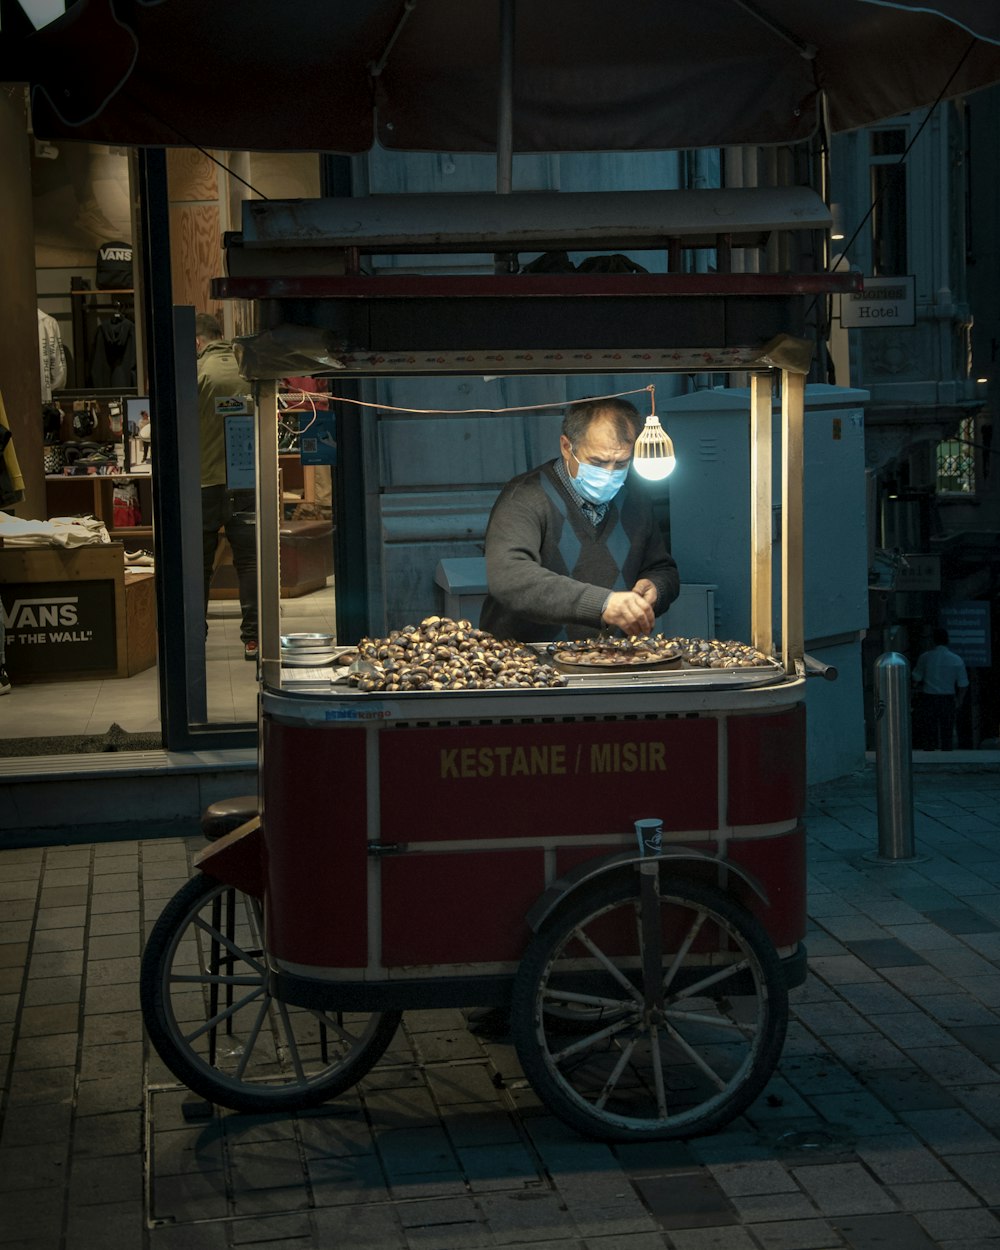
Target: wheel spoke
<point x="696" y="1059"/>
<point x="717" y="1022"/>
<point x="612" y="1082"/>
<point x="228" y="1013"/>
<point x="251" y="1041"/>
<point x="695" y="991"/>
<point x="585" y="1000"/>
<point x="291" y="1045"/>
<point x="238" y="952"/>
<point x="335" y="1027"/>
<point x="608" y="966"/>
<point x="588" y="1042"/>
<point x="683" y="949"/>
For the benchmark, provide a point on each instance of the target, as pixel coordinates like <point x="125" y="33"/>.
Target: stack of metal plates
<point x="307" y="650"/>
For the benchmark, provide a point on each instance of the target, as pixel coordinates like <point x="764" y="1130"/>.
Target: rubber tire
<point x="528" y="1018"/>
<point x="193" y="1069"/>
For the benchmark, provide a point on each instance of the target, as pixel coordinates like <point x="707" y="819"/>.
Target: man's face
<point x="601" y="446"/>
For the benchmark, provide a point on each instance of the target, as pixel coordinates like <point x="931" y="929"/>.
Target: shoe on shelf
<point x="250" y="649"/>
<point x="4" y="681"/>
<point x="144" y="558"/>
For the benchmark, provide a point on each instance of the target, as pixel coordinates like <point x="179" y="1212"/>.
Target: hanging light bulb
<point x="653" y="455"/>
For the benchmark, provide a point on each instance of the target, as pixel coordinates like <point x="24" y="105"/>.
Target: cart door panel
<point x="463" y="907"/>
<point x="315" y="815"/>
<point x="767" y="766"/>
<point x="778" y="864"/>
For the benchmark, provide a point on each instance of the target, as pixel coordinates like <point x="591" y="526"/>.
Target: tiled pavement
<point x="880" y="1131"/>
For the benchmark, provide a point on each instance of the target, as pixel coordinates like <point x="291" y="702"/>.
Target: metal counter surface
<point x="680" y="692"/>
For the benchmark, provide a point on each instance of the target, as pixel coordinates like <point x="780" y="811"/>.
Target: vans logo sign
<point x="115" y="253"/>
<point x="45" y="620"/>
<point x="41" y="613"/>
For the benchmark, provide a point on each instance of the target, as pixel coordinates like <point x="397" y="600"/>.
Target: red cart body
<point x="412" y="840"/>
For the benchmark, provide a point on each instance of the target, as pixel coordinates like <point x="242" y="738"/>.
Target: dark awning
<point x="339" y="75"/>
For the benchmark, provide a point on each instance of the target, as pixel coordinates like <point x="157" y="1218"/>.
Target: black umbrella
<point x="588" y="75"/>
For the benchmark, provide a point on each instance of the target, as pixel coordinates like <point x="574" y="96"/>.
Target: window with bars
<point x="956" y="462"/>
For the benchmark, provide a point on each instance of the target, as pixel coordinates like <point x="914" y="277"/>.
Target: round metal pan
<point x="644" y="666"/>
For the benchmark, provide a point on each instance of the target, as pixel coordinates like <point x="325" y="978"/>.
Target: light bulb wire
<point x="653" y="442"/>
<point x="459" y="412"/>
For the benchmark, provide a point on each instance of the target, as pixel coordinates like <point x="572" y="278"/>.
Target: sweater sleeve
<point x="515" y="574"/>
<point x="661" y="569"/>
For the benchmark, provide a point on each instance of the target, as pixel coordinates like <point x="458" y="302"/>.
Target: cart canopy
<point x="341" y="75"/>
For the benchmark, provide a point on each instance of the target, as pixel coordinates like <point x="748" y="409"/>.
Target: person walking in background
<point x="219" y="379"/>
<point x="939" y="675"/>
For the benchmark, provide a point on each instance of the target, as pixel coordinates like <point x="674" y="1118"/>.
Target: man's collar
<point x="563" y="474"/>
<point x="594" y="512"/>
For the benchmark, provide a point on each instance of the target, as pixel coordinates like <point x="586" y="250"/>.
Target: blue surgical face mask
<point x="596" y="484"/>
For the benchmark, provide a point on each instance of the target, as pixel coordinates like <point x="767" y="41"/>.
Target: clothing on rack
<point x="11" y="481"/>
<point x="51" y="355"/>
<point x="113" y="353"/>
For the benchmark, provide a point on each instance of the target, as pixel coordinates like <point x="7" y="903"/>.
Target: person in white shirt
<point x="940" y="676"/>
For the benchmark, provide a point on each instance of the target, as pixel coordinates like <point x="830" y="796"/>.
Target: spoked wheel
<point x="214" y="1023"/>
<point x="677" y="1002"/>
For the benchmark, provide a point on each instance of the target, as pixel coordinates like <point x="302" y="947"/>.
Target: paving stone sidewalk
<point x="880" y="1130"/>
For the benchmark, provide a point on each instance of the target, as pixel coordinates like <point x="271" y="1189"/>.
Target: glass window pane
<point x="888" y="142"/>
<point x="888" y="220"/>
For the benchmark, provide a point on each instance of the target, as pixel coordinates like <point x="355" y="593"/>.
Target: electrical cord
<point x="458" y="412"/>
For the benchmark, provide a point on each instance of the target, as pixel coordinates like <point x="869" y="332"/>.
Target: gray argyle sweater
<point x="549" y="570"/>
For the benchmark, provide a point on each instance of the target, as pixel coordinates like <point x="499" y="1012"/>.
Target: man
<point x="232" y="511"/>
<point x="572" y="548"/>
<point x="942" y="680"/>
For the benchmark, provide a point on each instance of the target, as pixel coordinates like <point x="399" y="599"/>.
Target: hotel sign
<point x="884" y="302"/>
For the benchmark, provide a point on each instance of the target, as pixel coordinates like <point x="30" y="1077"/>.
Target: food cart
<point x="616" y="854"/>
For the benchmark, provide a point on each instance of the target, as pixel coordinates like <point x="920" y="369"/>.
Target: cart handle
<point x="809" y="666"/>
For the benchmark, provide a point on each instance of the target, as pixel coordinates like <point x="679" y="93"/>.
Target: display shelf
<point x="92" y="493"/>
<point x="132" y="536"/>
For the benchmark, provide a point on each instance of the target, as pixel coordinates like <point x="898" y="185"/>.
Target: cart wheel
<point x="686" y="1002"/>
<point x="214" y="1023"/>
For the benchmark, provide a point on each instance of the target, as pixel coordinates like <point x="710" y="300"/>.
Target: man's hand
<point x="645" y="588"/>
<point x="630" y="612"/>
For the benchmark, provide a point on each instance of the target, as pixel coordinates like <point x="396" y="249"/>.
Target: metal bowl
<point x="307" y="642"/>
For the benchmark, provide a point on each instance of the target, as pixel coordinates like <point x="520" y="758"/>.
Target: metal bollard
<point x="893" y="758"/>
